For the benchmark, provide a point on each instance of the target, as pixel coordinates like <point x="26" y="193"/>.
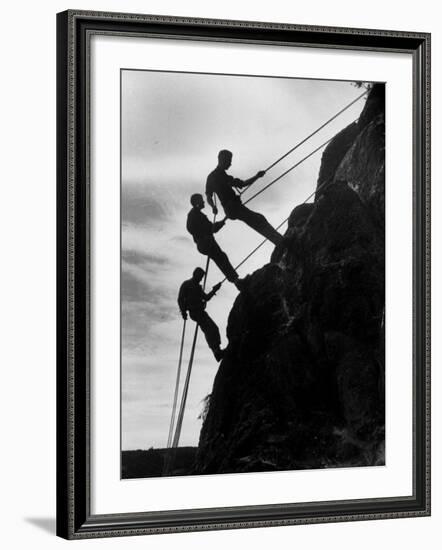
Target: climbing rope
<point x="311" y="135"/>
<point x="168" y="458"/>
<point x="177" y="384"/>
<point x="185" y="391"/>
<point x="317" y="130"/>
<point x="172" y="452"/>
<point x="287" y="171"/>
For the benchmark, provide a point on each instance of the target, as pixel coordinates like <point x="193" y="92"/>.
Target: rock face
<point x="302" y="381"/>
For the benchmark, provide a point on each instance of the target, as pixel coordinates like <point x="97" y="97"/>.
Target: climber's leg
<point x="223" y="262"/>
<point x="209" y="328"/>
<point x="256" y="221"/>
<point x="209" y="247"/>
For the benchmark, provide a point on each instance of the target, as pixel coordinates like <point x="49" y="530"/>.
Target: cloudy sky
<point x="173" y="125"/>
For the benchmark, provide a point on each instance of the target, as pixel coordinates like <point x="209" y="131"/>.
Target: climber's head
<point x="198" y="274"/>
<point x="225" y="159"/>
<point x="197" y="201"/>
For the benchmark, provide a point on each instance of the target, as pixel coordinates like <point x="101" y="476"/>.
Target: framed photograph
<point x="243" y="274"/>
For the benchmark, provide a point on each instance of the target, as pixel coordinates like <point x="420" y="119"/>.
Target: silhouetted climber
<point x="202" y="230"/>
<point x="222" y="184"/>
<point x="192" y="299"/>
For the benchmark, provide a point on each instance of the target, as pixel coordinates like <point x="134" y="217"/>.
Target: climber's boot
<point x="239" y="283"/>
<point x="219" y="354"/>
<point x="242" y="284"/>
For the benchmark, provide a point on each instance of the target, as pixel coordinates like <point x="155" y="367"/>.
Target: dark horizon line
<point x="158" y="449"/>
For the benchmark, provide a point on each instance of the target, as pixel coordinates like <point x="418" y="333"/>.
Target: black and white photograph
<point x="252" y="274"/>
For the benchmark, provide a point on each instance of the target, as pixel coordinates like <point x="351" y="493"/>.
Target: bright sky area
<point x="173" y="125"/>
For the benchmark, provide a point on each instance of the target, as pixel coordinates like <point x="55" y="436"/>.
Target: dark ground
<point x="138" y="464"/>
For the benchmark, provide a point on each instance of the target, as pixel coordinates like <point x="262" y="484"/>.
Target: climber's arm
<point x="236" y="182"/>
<point x="182" y="302"/>
<point x="218" y="225"/>
<point x="251" y="180"/>
<point x="209" y="196"/>
<point x="212" y="293"/>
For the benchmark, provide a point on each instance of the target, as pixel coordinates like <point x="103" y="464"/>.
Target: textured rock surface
<point x="302" y="382"/>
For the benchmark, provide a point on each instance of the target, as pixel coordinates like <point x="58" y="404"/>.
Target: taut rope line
<point x="177" y="383"/>
<point x="312" y="134"/>
<point x="287" y="171"/>
<point x="317" y="130"/>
